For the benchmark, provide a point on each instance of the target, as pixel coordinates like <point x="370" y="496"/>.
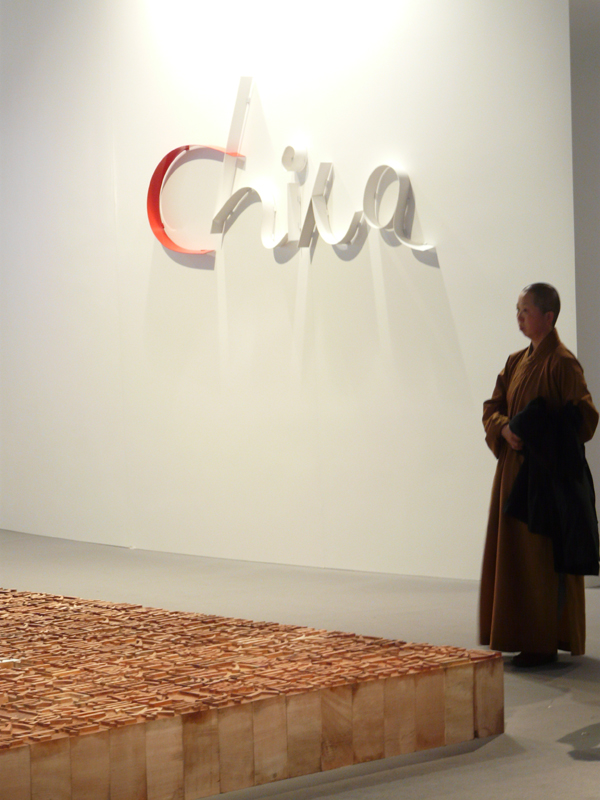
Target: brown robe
<point x="519" y="606"/>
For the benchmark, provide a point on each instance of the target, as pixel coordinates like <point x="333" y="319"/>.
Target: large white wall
<point x="152" y="401"/>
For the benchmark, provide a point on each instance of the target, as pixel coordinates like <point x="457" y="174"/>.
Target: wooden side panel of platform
<point x="164" y="759"/>
<point x="368" y="739"/>
<point x="201" y="754"/>
<point x="489" y="698"/>
<point x="270" y="740"/>
<point x="459" y="699"/>
<point x="207" y="752"/>
<point x="336" y="734"/>
<point x="15" y="774"/>
<point x="51" y="770"/>
<point x="430" y="717"/>
<point x="400" y="732"/>
<point x="90" y="767"/>
<point x="236" y="747"/>
<point x="304" y="726"/>
<point x="128" y="763"/>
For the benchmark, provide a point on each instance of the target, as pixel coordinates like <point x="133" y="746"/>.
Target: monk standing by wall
<point x="525" y="604"/>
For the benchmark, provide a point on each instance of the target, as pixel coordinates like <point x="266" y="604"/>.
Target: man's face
<point x="532" y="321"/>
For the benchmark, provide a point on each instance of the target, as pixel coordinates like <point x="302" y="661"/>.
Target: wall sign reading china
<point x="384" y="181"/>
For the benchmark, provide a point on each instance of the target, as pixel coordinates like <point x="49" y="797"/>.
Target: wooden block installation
<point x="430" y="718"/>
<point x="164" y="759"/>
<point x="489" y="697"/>
<point x="201" y="765"/>
<point x="336" y="731"/>
<point x="15" y="773"/>
<point x="104" y="701"/>
<point x="128" y="763"/>
<point x="90" y="767"/>
<point x="269" y="731"/>
<point x="459" y="704"/>
<point x="400" y="709"/>
<point x="368" y="741"/>
<point x="236" y="748"/>
<point x="304" y="726"/>
<point x="51" y="770"/>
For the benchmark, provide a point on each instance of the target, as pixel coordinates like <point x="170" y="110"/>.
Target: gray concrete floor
<point x="551" y="748"/>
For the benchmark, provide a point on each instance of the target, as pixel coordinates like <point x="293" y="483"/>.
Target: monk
<point x="525" y="605"/>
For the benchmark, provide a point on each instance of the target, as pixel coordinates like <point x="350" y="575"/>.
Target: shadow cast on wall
<point x="192" y="260"/>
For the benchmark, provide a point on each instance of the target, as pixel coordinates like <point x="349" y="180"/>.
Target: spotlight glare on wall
<point x="289" y="43"/>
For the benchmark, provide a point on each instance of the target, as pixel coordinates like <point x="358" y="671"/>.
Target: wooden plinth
<point x="103" y="700"/>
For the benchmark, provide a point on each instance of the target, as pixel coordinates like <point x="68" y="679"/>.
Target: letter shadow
<point x="404" y="228"/>
<point x="192" y="260"/>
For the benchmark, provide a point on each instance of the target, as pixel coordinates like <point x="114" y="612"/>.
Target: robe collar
<point x="545" y="347"/>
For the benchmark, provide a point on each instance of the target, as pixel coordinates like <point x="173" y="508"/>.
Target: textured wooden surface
<point x="201" y="766"/>
<point x="109" y="701"/>
<point x="90" y="767"/>
<point x="15" y="774"/>
<point x="304" y="725"/>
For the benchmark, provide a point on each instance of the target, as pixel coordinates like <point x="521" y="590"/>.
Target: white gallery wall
<point x="319" y="406"/>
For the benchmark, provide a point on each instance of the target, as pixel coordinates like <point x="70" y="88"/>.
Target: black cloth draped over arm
<point x="553" y="493"/>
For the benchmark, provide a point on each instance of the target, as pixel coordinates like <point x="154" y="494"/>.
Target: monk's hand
<point x="512" y="439"/>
